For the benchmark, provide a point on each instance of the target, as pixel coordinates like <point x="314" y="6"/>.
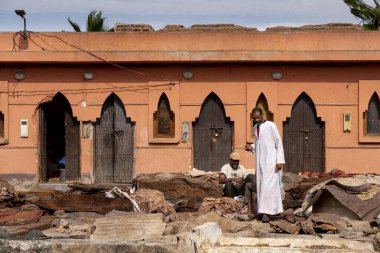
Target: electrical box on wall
<point x="347" y="122"/>
<point x="185" y="131"/>
<point x="86" y="129"/>
<point x="24" y="128"/>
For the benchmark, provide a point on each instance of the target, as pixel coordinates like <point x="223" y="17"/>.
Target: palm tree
<point x="95" y="22"/>
<point x="369" y="15"/>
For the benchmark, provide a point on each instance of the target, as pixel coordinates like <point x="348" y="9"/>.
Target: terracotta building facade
<point x="113" y="105"/>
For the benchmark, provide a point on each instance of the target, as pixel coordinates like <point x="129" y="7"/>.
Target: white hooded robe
<point x="269" y="152"/>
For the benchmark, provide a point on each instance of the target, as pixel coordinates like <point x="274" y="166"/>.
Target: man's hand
<point x="279" y="166"/>
<point x="238" y="180"/>
<point x="248" y="147"/>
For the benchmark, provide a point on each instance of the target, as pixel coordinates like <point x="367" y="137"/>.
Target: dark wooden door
<point x="114" y="143"/>
<point x="72" y="150"/>
<point x="304" y="138"/>
<point x="123" y="144"/>
<point x="104" y="144"/>
<point x="213" y="136"/>
<point x="58" y="138"/>
<point x="42" y="145"/>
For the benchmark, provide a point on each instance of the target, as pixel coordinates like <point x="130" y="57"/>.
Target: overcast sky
<point x="51" y="15"/>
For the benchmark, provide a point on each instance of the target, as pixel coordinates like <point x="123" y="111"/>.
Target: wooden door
<point x="114" y="135"/>
<point x="213" y="133"/>
<point x="123" y="144"/>
<point x="304" y="140"/>
<point x="58" y="138"/>
<point x="42" y="145"/>
<point x="72" y="150"/>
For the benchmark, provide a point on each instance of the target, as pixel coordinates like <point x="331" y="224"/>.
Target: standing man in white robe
<point x="269" y="163"/>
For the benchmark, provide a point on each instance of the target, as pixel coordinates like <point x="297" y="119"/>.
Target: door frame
<point x="42" y="138"/>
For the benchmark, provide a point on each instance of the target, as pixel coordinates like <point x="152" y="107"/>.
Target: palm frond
<point x="74" y="25"/>
<point x="95" y="21"/>
<point x="369" y="15"/>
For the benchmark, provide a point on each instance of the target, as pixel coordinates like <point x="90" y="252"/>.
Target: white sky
<point x="51" y="15"/>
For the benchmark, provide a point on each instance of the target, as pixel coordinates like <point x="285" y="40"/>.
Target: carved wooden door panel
<point x="114" y="144"/>
<point x="213" y="136"/>
<point x="123" y="144"/>
<point x="72" y="150"/>
<point x="304" y="141"/>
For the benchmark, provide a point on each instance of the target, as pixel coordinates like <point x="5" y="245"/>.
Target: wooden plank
<point x="72" y="202"/>
<point x="139" y="226"/>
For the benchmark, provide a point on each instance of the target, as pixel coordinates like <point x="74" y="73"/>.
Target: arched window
<point x="263" y="104"/>
<point x="372" y="115"/>
<point x="1" y="125"/>
<point x="163" y="119"/>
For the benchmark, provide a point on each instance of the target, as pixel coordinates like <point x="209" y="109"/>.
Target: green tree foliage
<point x="95" y="22"/>
<point x="370" y="15"/>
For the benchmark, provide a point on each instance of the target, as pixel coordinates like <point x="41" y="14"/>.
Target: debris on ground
<point x="77" y="202"/>
<point x="123" y="194"/>
<point x="188" y="190"/>
<point x="187" y="221"/>
<point x="7" y="191"/>
<point x="283" y="226"/>
<point x="356" y="197"/>
<point x="66" y="227"/>
<point x="153" y="201"/>
<point x="377" y="241"/>
<point x="30" y="235"/>
<point x="148" y="201"/>
<point x="328" y="223"/>
<point x="20" y="218"/>
<point x="45" y="222"/>
<point x="151" y="213"/>
<point x="223" y="206"/>
<point x="296" y="187"/>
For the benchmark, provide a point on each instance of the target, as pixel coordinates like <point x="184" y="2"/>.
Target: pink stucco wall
<point x="339" y="71"/>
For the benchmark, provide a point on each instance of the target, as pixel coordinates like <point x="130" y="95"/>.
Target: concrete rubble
<point x="94" y="218"/>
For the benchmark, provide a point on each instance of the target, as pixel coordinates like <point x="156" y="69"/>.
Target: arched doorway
<point x="304" y="138"/>
<point x="59" y="141"/>
<point x="213" y="135"/>
<point x="114" y="143"/>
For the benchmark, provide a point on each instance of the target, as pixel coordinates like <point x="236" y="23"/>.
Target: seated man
<point x="236" y="182"/>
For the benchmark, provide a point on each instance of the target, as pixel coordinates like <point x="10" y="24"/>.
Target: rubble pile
<point x="20" y="217"/>
<point x="146" y="200"/>
<point x="296" y="187"/>
<point x="347" y="207"/>
<point x="321" y="223"/>
<point x="7" y="191"/>
<point x="190" y="189"/>
<point x="222" y="206"/>
<point x="356" y="197"/>
<point x="68" y="228"/>
<point x="153" y="201"/>
<point x="186" y="190"/>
